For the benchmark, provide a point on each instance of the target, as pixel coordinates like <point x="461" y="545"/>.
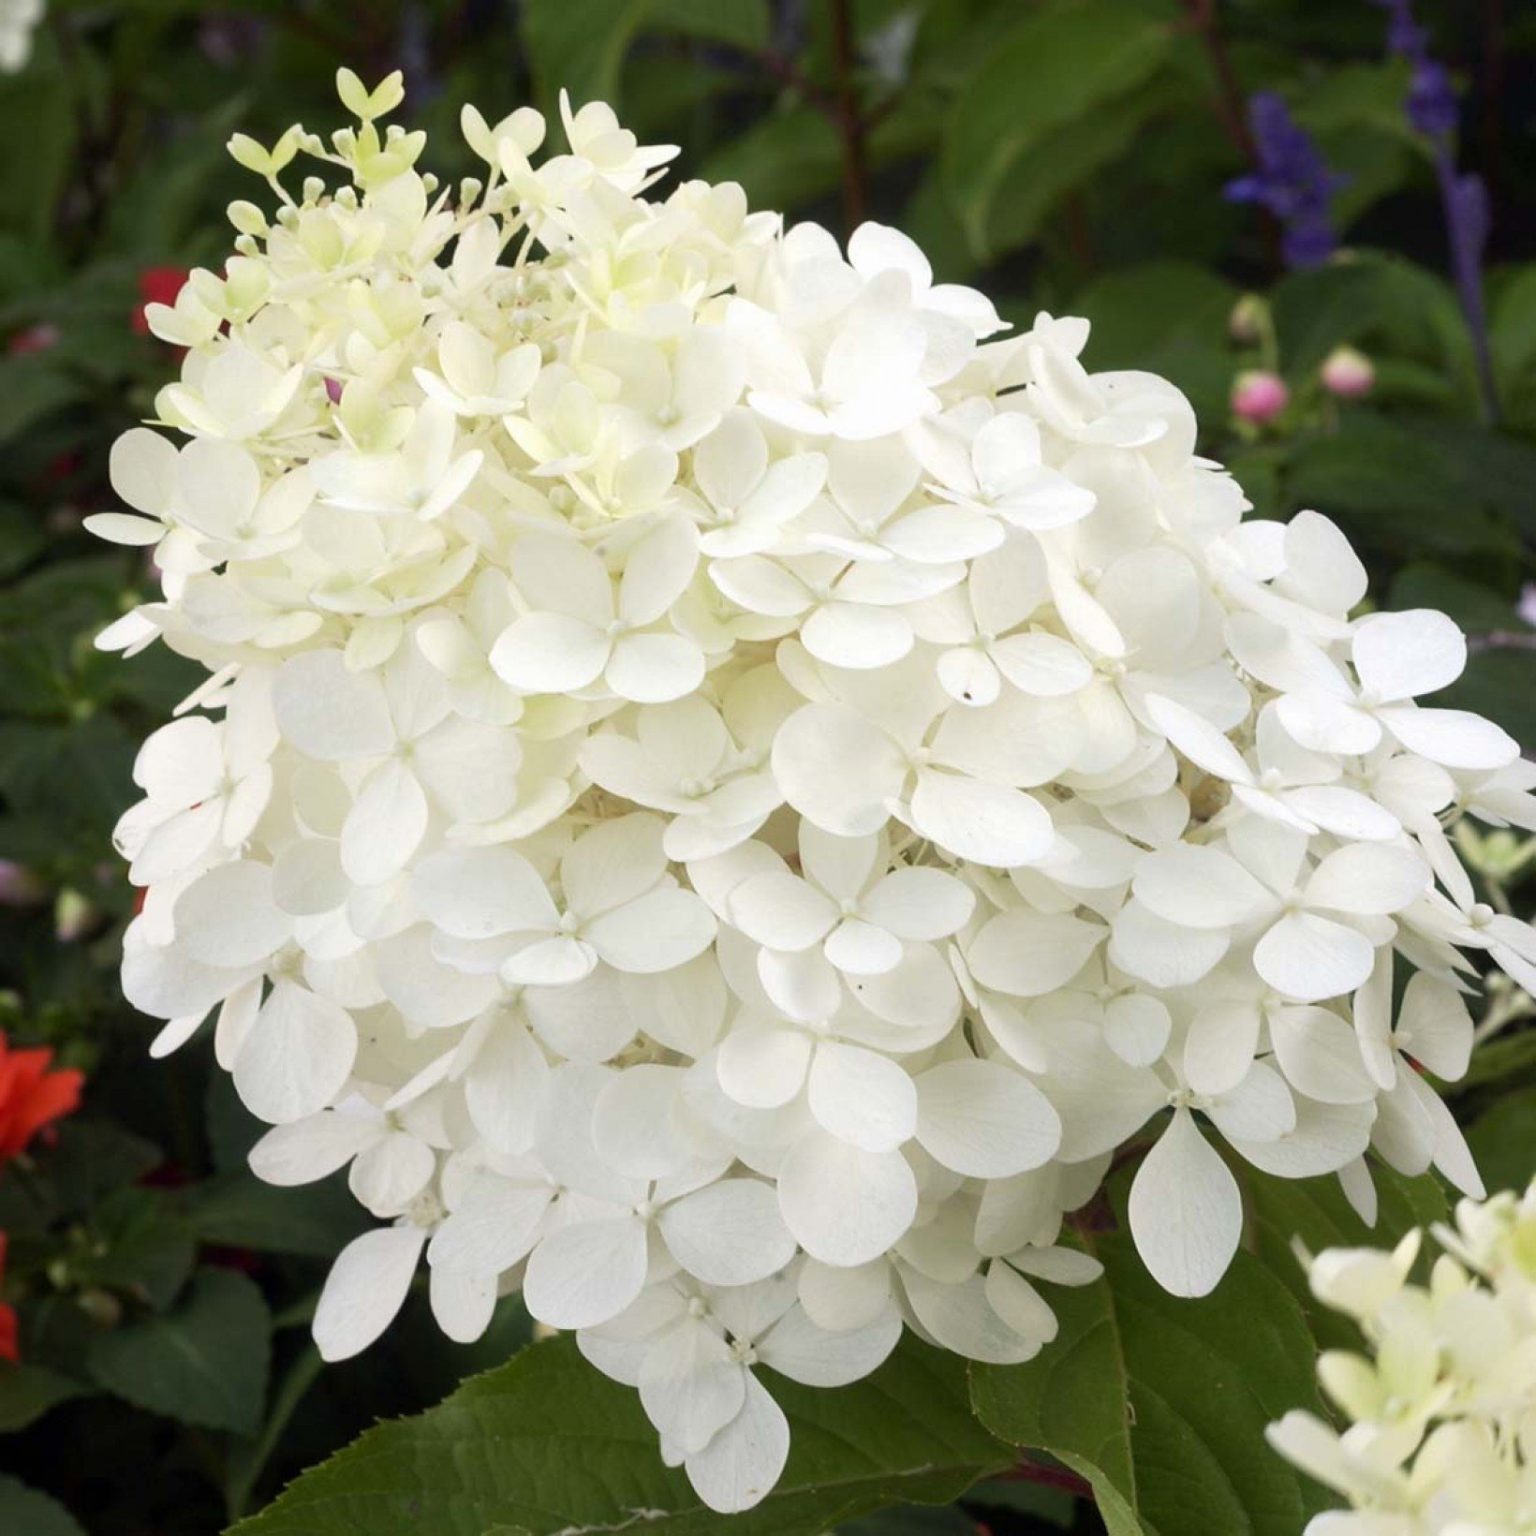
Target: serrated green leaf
<point x="1161" y="1403"/>
<point x="26" y="1512"/>
<point x="204" y="1362"/>
<point x="546" y="1444"/>
<point x="1057" y="66"/>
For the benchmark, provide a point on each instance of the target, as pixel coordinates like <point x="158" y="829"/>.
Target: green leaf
<point x="26" y="1512"/>
<point x="204" y="1362"/>
<point x="1376" y="301"/>
<point x="580" y="47"/>
<point x="1055" y="68"/>
<point x="1393" y="482"/>
<point x="785" y="159"/>
<point x="1503" y="1140"/>
<point x="1044" y="173"/>
<point x="1161" y="1403"/>
<point x="239" y="1211"/>
<point x="28" y="1391"/>
<point x="1168" y="317"/>
<point x="743" y="23"/>
<point x="89" y="1159"/>
<point x="546" y="1444"/>
<point x="140" y="1245"/>
<point x="1315" y="1212"/>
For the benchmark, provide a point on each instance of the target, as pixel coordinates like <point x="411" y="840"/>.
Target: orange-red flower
<point x="32" y="1096"/>
<point x="8" y="1329"/>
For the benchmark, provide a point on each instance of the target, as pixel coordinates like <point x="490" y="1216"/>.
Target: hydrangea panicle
<point x="729" y="783"/>
<point x="1439" y="1406"/>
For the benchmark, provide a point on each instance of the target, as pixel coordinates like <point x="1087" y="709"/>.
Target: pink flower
<point x="1259" y="396"/>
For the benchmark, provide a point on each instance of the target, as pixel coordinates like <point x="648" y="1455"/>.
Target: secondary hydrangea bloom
<point x="1440" y="1406"/>
<point x="728" y="786"/>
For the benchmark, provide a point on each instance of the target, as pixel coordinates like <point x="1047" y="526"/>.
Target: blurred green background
<point x="1231" y="190"/>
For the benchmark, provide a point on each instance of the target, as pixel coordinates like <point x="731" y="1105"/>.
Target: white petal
<point x="729" y="1233"/>
<point x="797" y="1348"/>
<point x="781" y="910"/>
<point x="985" y="1120"/>
<point x="632" y="1122"/>
<point x="763" y="1067"/>
<point x="919" y="903"/>
<point x="297" y="1056"/>
<point x="1186" y="1211"/>
<point x="1197" y="887"/>
<point x="989" y="823"/>
<point x="652" y="669"/>
<point x="1027" y="954"/>
<point x="312" y="1148"/>
<point x="690" y="1386"/>
<point x="1137" y="1028"/>
<point x="838" y="769"/>
<point x="857" y="636"/>
<point x="861" y="1097"/>
<point x="739" y="1467"/>
<point x="844" y="1205"/>
<point x="385" y="825"/>
<point x="365" y="1288"/>
<point x="587" y="1273"/>
<point x="1402" y="655"/>
<point x="477" y="893"/>
<point x="1309" y="958"/>
<point x="550" y="653"/>
<point x="1368" y="878"/>
<point x="228" y="918"/>
<point x="329" y="712"/>
<point x="463" y="1304"/>
<point x="654" y="932"/>
<point x="1165" y="954"/>
<point x="493" y="1226"/>
<point x="1451" y="737"/>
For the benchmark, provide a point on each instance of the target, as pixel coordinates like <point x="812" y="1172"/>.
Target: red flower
<point x="157" y="285"/>
<point x="31" y="1096"/>
<point x="8" y="1345"/>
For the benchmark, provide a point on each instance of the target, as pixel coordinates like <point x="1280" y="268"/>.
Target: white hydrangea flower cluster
<point x="727" y="789"/>
<point x="1442" y="1409"/>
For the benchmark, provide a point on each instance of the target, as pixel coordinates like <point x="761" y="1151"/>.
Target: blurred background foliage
<point x="1071" y="155"/>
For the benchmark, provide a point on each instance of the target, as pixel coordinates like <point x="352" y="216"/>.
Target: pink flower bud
<point x="1258" y="396"/>
<point x="1348" y="373"/>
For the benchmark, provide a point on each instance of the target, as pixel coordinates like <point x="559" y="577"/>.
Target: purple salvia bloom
<point x="1432" y="110"/>
<point x="1292" y="181"/>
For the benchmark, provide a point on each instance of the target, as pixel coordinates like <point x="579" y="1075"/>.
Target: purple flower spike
<point x="1293" y="182"/>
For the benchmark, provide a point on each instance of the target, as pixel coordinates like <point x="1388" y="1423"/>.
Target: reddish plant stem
<point x="848" y="119"/>
<point x="1026" y="1471"/>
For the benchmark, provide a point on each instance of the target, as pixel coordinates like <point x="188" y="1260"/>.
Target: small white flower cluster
<point x="724" y="794"/>
<point x="1442" y="1410"/>
<point x="19" y="19"/>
